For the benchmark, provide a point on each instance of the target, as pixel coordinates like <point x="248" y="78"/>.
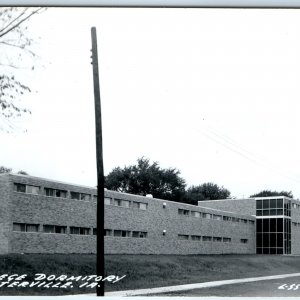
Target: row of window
<point x="125" y="203"/>
<point x="208" y="238"/>
<point x="273" y="207"/>
<point x="23" y="227"/>
<point x="50" y="192"/>
<point x="197" y="214"/>
<point x="31" y="189"/>
<point x="125" y="233"/>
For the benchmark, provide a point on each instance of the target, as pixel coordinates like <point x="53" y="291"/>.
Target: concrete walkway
<point x="186" y="287"/>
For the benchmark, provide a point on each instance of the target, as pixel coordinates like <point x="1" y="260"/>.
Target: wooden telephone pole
<point x="99" y="158"/>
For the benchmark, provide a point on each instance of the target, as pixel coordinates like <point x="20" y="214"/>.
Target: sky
<point x="212" y="92"/>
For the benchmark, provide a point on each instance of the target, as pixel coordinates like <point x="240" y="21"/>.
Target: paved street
<point x="252" y="289"/>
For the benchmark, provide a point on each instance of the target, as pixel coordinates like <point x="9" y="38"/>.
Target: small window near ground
<point x="117" y="233"/>
<point x="84" y="231"/>
<point x="95" y="231"/>
<point x="196" y="238"/>
<point x="244" y="241"/>
<point x="183" y="212"/>
<point x="48" y="228"/>
<point x="217" y="239"/>
<point x="207" y="238"/>
<point x="60" y="229"/>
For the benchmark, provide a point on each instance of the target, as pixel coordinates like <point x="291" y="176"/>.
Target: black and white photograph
<point x="179" y="125"/>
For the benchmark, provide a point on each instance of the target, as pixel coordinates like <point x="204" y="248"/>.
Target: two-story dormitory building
<point x="43" y="216"/>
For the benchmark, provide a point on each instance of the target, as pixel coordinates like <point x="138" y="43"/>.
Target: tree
<point x="268" y="193"/>
<point x="14" y="39"/>
<point x="5" y="170"/>
<point x="205" y="191"/>
<point x="9" y="170"/>
<point x="147" y="178"/>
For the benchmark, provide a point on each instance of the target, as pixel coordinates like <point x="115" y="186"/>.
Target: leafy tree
<point x="15" y="51"/>
<point x="5" y="170"/>
<point x="268" y="193"/>
<point x="205" y="191"/>
<point x="147" y="178"/>
<point x="9" y="170"/>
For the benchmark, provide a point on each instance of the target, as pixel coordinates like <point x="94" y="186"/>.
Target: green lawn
<point x="142" y="271"/>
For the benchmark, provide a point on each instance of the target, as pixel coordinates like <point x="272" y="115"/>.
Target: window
<point x="183" y="212"/>
<point x="19" y="227"/>
<point x="226" y="218"/>
<point x="32" y="227"/>
<point x="19" y="187"/>
<point x="95" y="198"/>
<point x="105" y="233"/>
<point x="85" y="197"/>
<point x="206" y="216"/>
<point x="139" y="234"/>
<point x="22" y="227"/>
<point x="23" y="188"/>
<point x="60" y="229"/>
<point x="196" y="238"/>
<point x="75" y="195"/>
<point x="49" y="228"/>
<point x="251" y="222"/>
<point x="139" y="205"/>
<point x="226" y="240"/>
<point x="143" y="206"/>
<point x="117" y="233"/>
<point x="84" y="231"/>
<point x="206" y="238"/>
<point x="108" y="201"/>
<point x="217" y="217"/>
<point x="125" y="233"/>
<point x="54" y="229"/>
<point x="244" y="241"/>
<point x="49" y="192"/>
<point x="183" y="237"/>
<point x="74" y="230"/>
<point x="244" y="221"/>
<point x="196" y="214"/>
<point x="123" y="203"/>
<point x="217" y="239"/>
<point x="31" y="189"/>
<point x="60" y="194"/>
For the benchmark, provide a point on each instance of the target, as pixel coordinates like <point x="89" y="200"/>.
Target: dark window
<point x="258" y="204"/>
<point x="196" y="237"/>
<point x="19" y="227"/>
<point x="60" y="194"/>
<point x="273" y="227"/>
<point x="19" y="187"/>
<point x="244" y="241"/>
<point x="217" y="239"/>
<point x="272" y="203"/>
<point x="74" y="230"/>
<point x="49" y="192"/>
<point x="85" y="197"/>
<point x="48" y="228"/>
<point x="183" y="236"/>
<point x="84" y="231"/>
<point x="107" y="232"/>
<point x="32" y="227"/>
<point x="266" y="204"/>
<point x="60" y="229"/>
<point x="75" y="195"/>
<point x="95" y="231"/>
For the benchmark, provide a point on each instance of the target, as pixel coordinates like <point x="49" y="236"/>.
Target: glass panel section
<point x="258" y="240"/>
<point x="273" y="226"/>
<point x="273" y="212"/>
<point x="259" y="212"/>
<point x="266" y="212"/>
<point x="266" y="225"/>
<point x="259" y="225"/>
<point x="259" y="250"/>
<point x="266" y="242"/>
<point x="279" y="203"/>
<point x="279" y="240"/>
<point x="272" y="203"/>
<point x="266" y="203"/>
<point x="279" y="212"/>
<point x="258" y="204"/>
<point x="273" y="240"/>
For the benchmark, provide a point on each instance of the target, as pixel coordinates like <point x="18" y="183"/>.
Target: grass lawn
<point x="142" y="271"/>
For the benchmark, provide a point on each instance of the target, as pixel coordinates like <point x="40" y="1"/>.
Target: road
<point x="269" y="288"/>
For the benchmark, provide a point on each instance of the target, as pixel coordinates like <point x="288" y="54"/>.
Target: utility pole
<point x="100" y="172"/>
